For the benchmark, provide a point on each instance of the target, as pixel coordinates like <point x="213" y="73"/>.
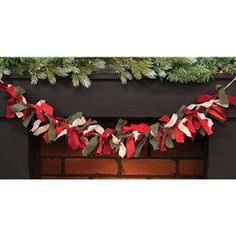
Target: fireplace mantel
<point x="108" y="98"/>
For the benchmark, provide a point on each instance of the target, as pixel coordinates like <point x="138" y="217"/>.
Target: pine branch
<point x="173" y="69"/>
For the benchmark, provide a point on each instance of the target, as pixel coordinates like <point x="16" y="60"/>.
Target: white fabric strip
<point x="36" y="125"/>
<point x="115" y="140"/>
<point x="19" y="114"/>
<point x="172" y="121"/>
<point x="98" y="128"/>
<point x="41" y="129"/>
<point x="78" y="122"/>
<point x="62" y="133"/>
<point x="184" y="128"/>
<point x="122" y="150"/>
<point x="136" y="135"/>
<point x="203" y="117"/>
<point x="40" y="102"/>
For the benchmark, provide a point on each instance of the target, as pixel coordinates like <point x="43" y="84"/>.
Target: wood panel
<point x="109" y="98"/>
<point x="222" y="152"/>
<point x="14" y="162"/>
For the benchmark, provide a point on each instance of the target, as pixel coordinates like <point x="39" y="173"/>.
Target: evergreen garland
<point x="173" y="69"/>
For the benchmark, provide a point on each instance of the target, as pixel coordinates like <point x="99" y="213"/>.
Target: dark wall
<point x="14" y="162"/>
<point x="222" y="151"/>
<point x="109" y="98"/>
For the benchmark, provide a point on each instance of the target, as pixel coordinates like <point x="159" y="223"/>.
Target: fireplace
<point x="24" y="156"/>
<point x="189" y="160"/>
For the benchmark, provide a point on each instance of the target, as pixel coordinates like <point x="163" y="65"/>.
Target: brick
<point x="63" y="177"/>
<point x="58" y="149"/>
<point x="50" y="166"/>
<point x="91" y="166"/>
<point x="143" y="153"/>
<point x="148" y="167"/>
<point x="191" y="167"/>
<point x="188" y="149"/>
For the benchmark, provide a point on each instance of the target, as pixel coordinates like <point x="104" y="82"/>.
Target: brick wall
<point x="184" y="161"/>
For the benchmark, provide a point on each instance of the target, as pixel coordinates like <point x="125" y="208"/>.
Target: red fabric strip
<point x="165" y="119"/>
<point x="141" y="128"/>
<point x="102" y="139"/>
<point x="205" y="126"/>
<point x="205" y="97"/>
<point x="9" y="113"/>
<point x="46" y="108"/>
<point x="179" y="135"/>
<point x="130" y="146"/>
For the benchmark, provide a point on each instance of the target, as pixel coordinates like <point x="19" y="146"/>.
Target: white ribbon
<point x="136" y="135"/>
<point x="41" y="129"/>
<point x="172" y="121"/>
<point x="62" y="133"/>
<point x="207" y="104"/>
<point x="24" y="100"/>
<point x="39" y="103"/>
<point x="203" y="117"/>
<point x="19" y="114"/>
<point x="78" y="122"/>
<point x="184" y="128"/>
<point x="122" y="148"/>
<point x="36" y="125"/>
<point x="98" y="128"/>
<point x="115" y="140"/>
<point x="204" y="104"/>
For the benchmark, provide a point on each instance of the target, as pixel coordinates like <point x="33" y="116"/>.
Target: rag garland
<point x="127" y="140"/>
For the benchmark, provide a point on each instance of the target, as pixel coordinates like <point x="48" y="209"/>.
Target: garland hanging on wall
<point x="125" y="139"/>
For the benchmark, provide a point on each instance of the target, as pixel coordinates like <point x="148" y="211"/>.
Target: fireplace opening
<point x="58" y="161"/>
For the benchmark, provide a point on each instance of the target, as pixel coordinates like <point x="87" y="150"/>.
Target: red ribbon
<point x="130" y="142"/>
<point x="165" y="132"/>
<point x="39" y="112"/>
<point x="104" y="142"/>
<point x="217" y="112"/>
<point x="46" y="108"/>
<point x="194" y="121"/>
<point x="9" y="113"/>
<point x="41" y="109"/>
<point x="130" y="146"/>
<point x="162" y="141"/>
<point x="141" y="128"/>
<point x="206" y="98"/>
<point x="201" y="98"/>
<point x="75" y="139"/>
<point x="165" y="119"/>
<point x="179" y="135"/>
<point x="232" y="100"/>
<point x="12" y="92"/>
